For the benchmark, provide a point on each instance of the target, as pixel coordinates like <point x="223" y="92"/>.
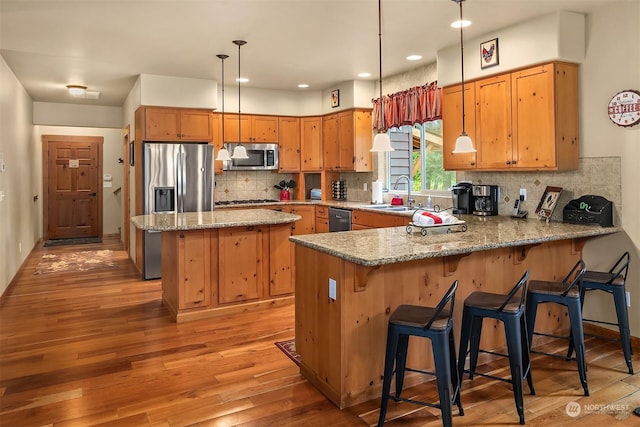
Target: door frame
<point x="126" y="179"/>
<point x="46" y="140"/>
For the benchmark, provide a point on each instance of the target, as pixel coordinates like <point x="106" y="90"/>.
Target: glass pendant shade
<point x="382" y="143"/>
<point x="463" y="144"/>
<point x="239" y="152"/>
<point x="223" y="155"/>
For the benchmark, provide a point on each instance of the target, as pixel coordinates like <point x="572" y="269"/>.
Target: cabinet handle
<point x="472" y="163"/>
<point x="514" y="162"/>
<point x="508" y="162"/>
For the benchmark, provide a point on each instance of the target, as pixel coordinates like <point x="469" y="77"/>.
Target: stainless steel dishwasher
<point x="339" y="219"/>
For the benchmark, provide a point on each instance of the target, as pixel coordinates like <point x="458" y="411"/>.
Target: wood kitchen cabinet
<point x="311" y="144"/>
<point x="216" y="127"/>
<point x="523" y="120"/>
<point x="308" y="213"/>
<point x="253" y="128"/>
<point x="322" y="219"/>
<point x="175" y="124"/>
<point x="281" y="261"/>
<point x="452" y="125"/>
<point x="346" y="140"/>
<point x="241" y="267"/>
<point x="289" y="144"/>
<point x="361" y="220"/>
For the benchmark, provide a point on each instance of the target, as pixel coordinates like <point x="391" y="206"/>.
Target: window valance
<point x="416" y="105"/>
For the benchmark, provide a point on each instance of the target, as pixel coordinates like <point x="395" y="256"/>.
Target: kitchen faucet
<point x="395" y="187"/>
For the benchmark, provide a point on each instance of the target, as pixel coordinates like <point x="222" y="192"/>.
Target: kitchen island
<point x="348" y="284"/>
<point x="220" y="262"/>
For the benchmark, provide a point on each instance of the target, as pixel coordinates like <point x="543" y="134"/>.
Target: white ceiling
<point x="105" y="45"/>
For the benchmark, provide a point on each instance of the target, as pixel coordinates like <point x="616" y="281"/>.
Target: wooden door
<point x="195" y="125"/>
<point x="330" y="142"/>
<point x="161" y="124"/>
<point x="493" y="122"/>
<point x="311" y="144"/>
<point x="264" y="129"/>
<point x="452" y="126"/>
<point x="231" y="128"/>
<point x="72" y="191"/>
<point x="241" y="262"/>
<point x="289" y="144"/>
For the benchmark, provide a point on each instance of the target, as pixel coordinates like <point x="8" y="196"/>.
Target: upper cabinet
<point x="253" y="128"/>
<point x="176" y="124"/>
<point x="347" y="139"/>
<point x="311" y="144"/>
<point x="524" y="120"/>
<point x="289" y="144"/>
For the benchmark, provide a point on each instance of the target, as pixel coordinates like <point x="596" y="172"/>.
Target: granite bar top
<point x="393" y="245"/>
<point x="212" y="219"/>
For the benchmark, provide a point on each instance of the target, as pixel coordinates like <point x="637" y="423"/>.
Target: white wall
<point x="18" y="182"/>
<point x="57" y="114"/>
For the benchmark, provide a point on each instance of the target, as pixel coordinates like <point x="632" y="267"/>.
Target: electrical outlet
<point x="332" y="289"/>
<point x="628" y="299"/>
<point x="523" y="194"/>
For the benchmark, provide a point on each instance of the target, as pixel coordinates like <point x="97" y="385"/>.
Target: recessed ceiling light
<point x="364" y="75"/>
<point x="77" y="90"/>
<point x="303" y="85"/>
<point x="414" y="57"/>
<point x="242" y="80"/>
<point x="457" y="24"/>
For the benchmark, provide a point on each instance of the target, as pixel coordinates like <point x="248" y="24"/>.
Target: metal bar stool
<point x="612" y="282"/>
<point x="567" y="293"/>
<point x="510" y="310"/>
<point x="437" y="325"/>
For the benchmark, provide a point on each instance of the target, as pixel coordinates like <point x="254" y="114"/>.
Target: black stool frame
<point x="443" y="345"/>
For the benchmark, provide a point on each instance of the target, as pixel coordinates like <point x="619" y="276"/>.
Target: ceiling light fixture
<point x="303" y="85"/>
<point x="223" y="154"/>
<point x="381" y="142"/>
<point x="414" y="57"/>
<point x="77" y="90"/>
<point x="364" y="75"/>
<point x="463" y="142"/>
<point x="240" y="152"/>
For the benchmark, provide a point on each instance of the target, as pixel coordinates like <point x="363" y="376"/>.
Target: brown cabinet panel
<point x="311" y="144"/>
<point x="306" y="225"/>
<point x="281" y="261"/>
<point x="240" y="269"/>
<point x="231" y="128"/>
<point x="493" y="122"/>
<point x="330" y="142"/>
<point x="252" y="128"/>
<point x="195" y="125"/>
<point x="195" y="286"/>
<point x="289" y="144"/>
<point x="177" y="124"/>
<point x="362" y="219"/>
<point x="452" y="125"/>
<point x="347" y="139"/>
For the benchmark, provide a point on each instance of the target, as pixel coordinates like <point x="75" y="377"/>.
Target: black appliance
<point x="485" y="199"/>
<point x="589" y="210"/>
<point x="462" y="198"/>
<point x="339" y="220"/>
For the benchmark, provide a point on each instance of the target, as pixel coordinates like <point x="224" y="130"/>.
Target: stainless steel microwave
<point x="261" y="157"/>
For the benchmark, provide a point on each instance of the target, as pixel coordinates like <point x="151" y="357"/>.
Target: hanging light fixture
<point x="223" y="154"/>
<point x="381" y="142"/>
<point x="463" y="142"/>
<point x="240" y="152"/>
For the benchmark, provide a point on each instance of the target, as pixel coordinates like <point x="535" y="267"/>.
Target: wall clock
<point x="624" y="108"/>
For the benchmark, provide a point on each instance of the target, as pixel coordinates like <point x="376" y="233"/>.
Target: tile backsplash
<point x="248" y="185"/>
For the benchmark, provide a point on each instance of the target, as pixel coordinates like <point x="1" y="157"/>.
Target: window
<point x="419" y="155"/>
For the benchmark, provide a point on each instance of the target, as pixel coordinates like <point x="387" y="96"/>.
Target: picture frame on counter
<point x="548" y="201"/>
<point x="335" y="98"/>
<point x="489" y="54"/>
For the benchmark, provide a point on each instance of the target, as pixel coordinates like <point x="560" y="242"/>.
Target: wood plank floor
<point x="98" y="349"/>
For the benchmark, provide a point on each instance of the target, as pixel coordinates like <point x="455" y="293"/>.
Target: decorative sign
<point x="74" y="163"/>
<point x="489" y="54"/>
<point x="624" y="108"/>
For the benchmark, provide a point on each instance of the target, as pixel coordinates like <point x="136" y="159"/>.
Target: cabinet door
<point x="281" y="261"/>
<point x="493" y="122"/>
<point x="240" y="269"/>
<point x="195" y="125"/>
<point x="231" y="128"/>
<point x="289" y="144"/>
<point x="162" y="124"/>
<point x="346" y="141"/>
<point x="363" y="141"/>
<point x="533" y="118"/>
<point x="452" y="126"/>
<point x="307" y="224"/>
<point x="264" y="129"/>
<point x="363" y="219"/>
<point x="311" y="143"/>
<point x="194" y="282"/>
<point x="330" y="142"/>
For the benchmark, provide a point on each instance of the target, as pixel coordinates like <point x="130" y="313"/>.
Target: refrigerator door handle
<point x="180" y="181"/>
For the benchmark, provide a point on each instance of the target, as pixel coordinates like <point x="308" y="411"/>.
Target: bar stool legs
<point x="436" y="324"/>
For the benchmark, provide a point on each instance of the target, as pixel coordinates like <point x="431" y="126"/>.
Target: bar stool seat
<point x="612" y="282"/>
<point x="436" y="324"/>
<point x="510" y="310"/>
<point x="567" y="293"/>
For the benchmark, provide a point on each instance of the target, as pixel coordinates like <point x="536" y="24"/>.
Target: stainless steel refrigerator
<point x="177" y="178"/>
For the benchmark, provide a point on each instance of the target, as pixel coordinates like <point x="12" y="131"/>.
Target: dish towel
<point x="424" y="218"/>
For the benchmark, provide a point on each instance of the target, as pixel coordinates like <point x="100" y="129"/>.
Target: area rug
<point x="289" y="348"/>
<point x="75" y="241"/>
<point x="75" y="261"/>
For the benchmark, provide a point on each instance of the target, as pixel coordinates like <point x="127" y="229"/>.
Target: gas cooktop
<point x="245" y="202"/>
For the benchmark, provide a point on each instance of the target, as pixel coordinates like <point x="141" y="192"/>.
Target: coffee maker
<point x="485" y="199"/>
<point x="462" y="198"/>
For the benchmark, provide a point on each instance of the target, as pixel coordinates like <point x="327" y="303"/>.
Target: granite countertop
<point x="392" y="245"/>
<point x="212" y="219"/>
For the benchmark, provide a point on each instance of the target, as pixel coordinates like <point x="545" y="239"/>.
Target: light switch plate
<point x="332" y="289"/>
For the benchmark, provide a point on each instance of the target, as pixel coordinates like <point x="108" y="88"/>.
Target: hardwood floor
<point x="98" y="348"/>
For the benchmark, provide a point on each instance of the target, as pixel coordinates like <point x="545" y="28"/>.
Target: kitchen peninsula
<point x="223" y="261"/>
<point x="348" y="284"/>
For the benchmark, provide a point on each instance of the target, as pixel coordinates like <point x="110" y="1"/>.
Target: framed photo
<point x="548" y="201"/>
<point x="489" y="53"/>
<point x="132" y="152"/>
<point x="335" y="98"/>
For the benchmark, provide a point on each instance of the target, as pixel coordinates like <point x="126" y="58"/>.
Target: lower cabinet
<point x="241" y="263"/>
<point x="361" y="220"/>
<point x="322" y="219"/>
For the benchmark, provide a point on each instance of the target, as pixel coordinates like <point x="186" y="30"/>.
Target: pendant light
<point x="381" y="142"/>
<point x="223" y="154"/>
<point x="240" y="152"/>
<point x="463" y="142"/>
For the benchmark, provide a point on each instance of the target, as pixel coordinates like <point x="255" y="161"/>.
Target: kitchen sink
<point x="387" y="207"/>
